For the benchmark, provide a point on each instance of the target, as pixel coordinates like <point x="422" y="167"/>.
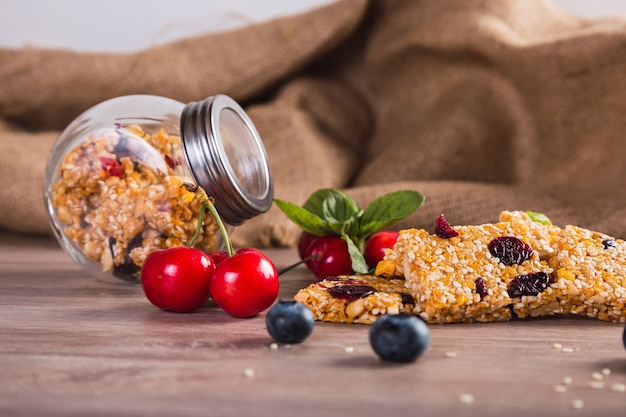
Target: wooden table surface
<point x="74" y="346"/>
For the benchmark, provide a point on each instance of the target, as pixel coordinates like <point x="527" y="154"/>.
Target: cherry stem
<point x="199" y="226"/>
<point x="227" y="242"/>
<point x="206" y="203"/>
<point x="292" y="266"/>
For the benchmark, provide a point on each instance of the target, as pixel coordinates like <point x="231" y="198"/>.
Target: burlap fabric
<point x="482" y="105"/>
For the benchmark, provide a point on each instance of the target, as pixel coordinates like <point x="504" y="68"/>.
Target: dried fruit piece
<point x="351" y="292"/>
<point x="510" y="250"/>
<point x="530" y="284"/>
<point x="443" y="228"/>
<point x="111" y="167"/>
<point x="481" y="287"/>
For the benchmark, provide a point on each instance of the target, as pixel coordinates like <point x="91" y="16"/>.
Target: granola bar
<point x="356" y="299"/>
<point x="119" y="196"/>
<point x="590" y="274"/>
<point x="493" y="272"/>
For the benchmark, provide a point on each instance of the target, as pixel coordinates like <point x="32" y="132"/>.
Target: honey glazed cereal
<point x="514" y="268"/>
<point x="119" y="196"/>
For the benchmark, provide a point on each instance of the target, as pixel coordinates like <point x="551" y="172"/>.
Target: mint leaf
<point x="340" y="212"/>
<point x="358" y="260"/>
<point x="324" y="196"/>
<point x="389" y="209"/>
<point x="306" y="220"/>
<point x="539" y="217"/>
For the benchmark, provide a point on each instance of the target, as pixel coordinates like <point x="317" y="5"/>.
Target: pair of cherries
<point x="182" y="279"/>
<point x="328" y="256"/>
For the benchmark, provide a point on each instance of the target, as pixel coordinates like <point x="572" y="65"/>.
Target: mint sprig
<point x="329" y="211"/>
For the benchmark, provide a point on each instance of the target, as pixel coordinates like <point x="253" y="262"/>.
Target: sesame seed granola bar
<point x="119" y="197"/>
<point x="356" y="299"/>
<point x="495" y="272"/>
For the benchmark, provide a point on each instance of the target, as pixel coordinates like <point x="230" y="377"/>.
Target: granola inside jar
<point x="114" y="181"/>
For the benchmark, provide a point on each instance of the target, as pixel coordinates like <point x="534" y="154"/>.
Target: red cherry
<point x="177" y="279"/>
<point x="245" y="284"/>
<point x="376" y="244"/>
<point x="304" y="242"/>
<point x="329" y="257"/>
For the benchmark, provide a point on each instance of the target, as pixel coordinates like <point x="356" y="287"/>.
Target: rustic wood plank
<point x="74" y="346"/>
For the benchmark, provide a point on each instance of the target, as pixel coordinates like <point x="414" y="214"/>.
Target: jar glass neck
<point x="227" y="157"/>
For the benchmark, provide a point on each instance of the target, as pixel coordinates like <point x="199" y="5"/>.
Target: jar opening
<point x="227" y="157"/>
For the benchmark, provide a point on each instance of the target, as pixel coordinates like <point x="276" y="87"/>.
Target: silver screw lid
<point x="227" y="157"/>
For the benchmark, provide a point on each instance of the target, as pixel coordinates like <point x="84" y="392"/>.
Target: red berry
<point x="376" y="245"/>
<point x="245" y="284"/>
<point x="329" y="257"/>
<point x="111" y="166"/>
<point x="177" y="279"/>
<point x="443" y="228"/>
<point x="304" y="242"/>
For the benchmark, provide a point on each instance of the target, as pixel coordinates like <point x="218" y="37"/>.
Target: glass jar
<point x="114" y="185"/>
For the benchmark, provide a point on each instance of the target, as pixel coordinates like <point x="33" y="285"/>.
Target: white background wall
<point x="128" y="25"/>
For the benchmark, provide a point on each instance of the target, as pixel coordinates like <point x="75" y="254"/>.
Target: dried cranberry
<point x="530" y="284"/>
<point x="510" y="250"/>
<point x="443" y="228"/>
<point x="407" y="298"/>
<point x="111" y="167"/>
<point x="481" y="287"/>
<point x="173" y="163"/>
<point x="351" y="292"/>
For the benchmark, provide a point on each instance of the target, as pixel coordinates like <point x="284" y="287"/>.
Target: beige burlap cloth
<point x="482" y="105"/>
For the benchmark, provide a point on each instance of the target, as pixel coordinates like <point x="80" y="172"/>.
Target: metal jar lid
<point x="227" y="157"/>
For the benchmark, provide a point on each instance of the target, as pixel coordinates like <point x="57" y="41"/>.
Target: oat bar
<point x="356" y="299"/>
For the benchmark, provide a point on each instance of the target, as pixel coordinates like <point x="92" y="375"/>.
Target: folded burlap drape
<point x="482" y="105"/>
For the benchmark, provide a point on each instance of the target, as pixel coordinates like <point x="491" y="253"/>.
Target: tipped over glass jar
<point x="114" y="179"/>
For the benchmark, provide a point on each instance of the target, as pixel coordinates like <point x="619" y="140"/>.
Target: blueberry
<point x="399" y="338"/>
<point x="289" y="321"/>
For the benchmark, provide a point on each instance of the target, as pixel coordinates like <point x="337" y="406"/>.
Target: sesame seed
<point x="451" y="354"/>
<point x="249" y="372"/>
<point x="618" y="387"/>
<point x="560" y="388"/>
<point x="578" y="404"/>
<point x="606" y="371"/>
<point x="597" y="376"/>
<point x="557" y="346"/>
<point x="567" y="349"/>
<point x="567" y="380"/>
<point x="596" y="384"/>
<point x="349" y="349"/>
<point x="466" y="398"/>
<point x="273" y="346"/>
